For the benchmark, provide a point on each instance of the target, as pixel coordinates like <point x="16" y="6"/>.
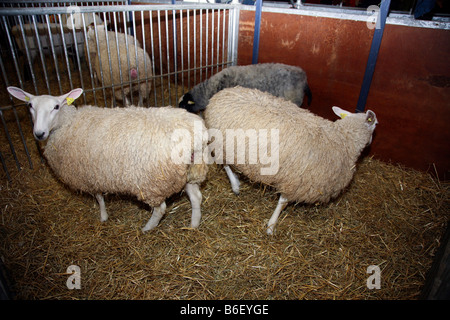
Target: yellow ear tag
<point x="343" y="115"/>
<point x="70" y="101"/>
<point x="27" y="98"/>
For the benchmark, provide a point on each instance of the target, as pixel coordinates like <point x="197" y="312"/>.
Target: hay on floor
<point x="390" y="216"/>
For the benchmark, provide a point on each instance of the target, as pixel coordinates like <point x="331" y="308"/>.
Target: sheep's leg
<point x="234" y="180"/>
<point x="157" y="214"/>
<point x="101" y="203"/>
<point x="141" y="99"/>
<point x="282" y="203"/>
<point x="195" y="196"/>
<point x="127" y="101"/>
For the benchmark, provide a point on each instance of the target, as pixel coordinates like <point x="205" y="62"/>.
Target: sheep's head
<point x="44" y="109"/>
<point x="187" y="102"/>
<point x="369" y="117"/>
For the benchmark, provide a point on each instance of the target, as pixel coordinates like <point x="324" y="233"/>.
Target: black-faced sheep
<point x="278" y="79"/>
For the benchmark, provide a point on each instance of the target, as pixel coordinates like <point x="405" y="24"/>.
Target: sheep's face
<point x="44" y="109"/>
<point x="187" y="102"/>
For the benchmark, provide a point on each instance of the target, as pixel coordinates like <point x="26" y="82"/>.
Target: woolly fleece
<point x="316" y="156"/>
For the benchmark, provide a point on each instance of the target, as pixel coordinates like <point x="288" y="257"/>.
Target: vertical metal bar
<point x="100" y="60"/>
<point x="144" y="47"/>
<point x="257" y="31"/>
<point x="118" y="58"/>
<point x="181" y="50"/>
<point x="153" y="57"/>
<point x="373" y="55"/>
<point x="160" y="60"/>
<point x="127" y="49"/>
<point x="201" y="45"/>
<point x="218" y="40"/>
<point x="233" y="44"/>
<point x="65" y="51"/>
<point x="40" y="50"/>
<point x="27" y="52"/>
<point x="212" y="41"/>
<point x="175" y="56"/>
<point x="8" y="137"/>
<point x="16" y="116"/>
<point x="5" y="80"/>
<point x="13" y="52"/>
<point x="205" y="68"/>
<point x="77" y="57"/>
<point x="88" y="57"/>
<point x="167" y="52"/>
<point x="223" y="36"/>
<point x="53" y="55"/>
<point x="195" y="46"/>
<point x="188" y="30"/>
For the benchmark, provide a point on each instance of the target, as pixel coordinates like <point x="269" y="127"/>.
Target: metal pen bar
<point x="373" y="55"/>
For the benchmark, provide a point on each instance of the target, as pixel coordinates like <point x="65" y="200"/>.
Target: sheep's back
<point x="312" y="163"/>
<point x="277" y="79"/>
<point x="121" y="150"/>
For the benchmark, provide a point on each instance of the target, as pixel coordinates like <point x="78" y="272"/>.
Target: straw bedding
<point x="389" y="216"/>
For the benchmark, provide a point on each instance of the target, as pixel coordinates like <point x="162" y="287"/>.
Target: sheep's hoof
<point x="270" y="230"/>
<point x="235" y="188"/>
<point x="145" y="229"/>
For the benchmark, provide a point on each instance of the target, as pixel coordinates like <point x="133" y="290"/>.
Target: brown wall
<point x="410" y="91"/>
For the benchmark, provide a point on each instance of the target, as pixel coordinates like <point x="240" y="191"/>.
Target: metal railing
<point x="43" y="50"/>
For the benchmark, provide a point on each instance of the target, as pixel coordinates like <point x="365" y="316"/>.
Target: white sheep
<point x="75" y="21"/>
<point x="118" y="150"/>
<point x="280" y="80"/>
<point x="315" y="157"/>
<point x="28" y="42"/>
<point x="130" y="70"/>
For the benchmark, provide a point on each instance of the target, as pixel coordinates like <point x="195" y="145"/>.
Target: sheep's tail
<point x="133" y="73"/>
<point x="308" y="93"/>
<point x="197" y="171"/>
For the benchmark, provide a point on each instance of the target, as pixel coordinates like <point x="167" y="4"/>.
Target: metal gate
<point x="119" y="54"/>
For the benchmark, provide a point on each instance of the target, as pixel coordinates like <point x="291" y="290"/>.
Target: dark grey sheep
<point x="278" y="79"/>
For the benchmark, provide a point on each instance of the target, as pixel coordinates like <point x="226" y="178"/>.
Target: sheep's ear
<point x="371" y="118"/>
<point x="340" y="112"/>
<point x="70" y="97"/>
<point x="20" y="94"/>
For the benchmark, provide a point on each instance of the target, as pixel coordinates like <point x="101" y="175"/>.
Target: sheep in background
<point x="137" y="69"/>
<point x="33" y="39"/>
<point x="119" y="150"/>
<point x="280" y="80"/>
<point x="316" y="157"/>
<point x="75" y="21"/>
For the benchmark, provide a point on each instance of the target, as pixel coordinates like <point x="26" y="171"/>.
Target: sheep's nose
<point x="39" y="135"/>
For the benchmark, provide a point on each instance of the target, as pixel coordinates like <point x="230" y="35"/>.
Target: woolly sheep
<point x="278" y="79"/>
<point x="118" y="150"/>
<point x="75" y="21"/>
<point x="137" y="69"/>
<point x="316" y="157"/>
<point x="31" y="45"/>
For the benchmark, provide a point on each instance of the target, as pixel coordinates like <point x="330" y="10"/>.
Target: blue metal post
<point x="373" y="55"/>
<point x="256" y="32"/>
